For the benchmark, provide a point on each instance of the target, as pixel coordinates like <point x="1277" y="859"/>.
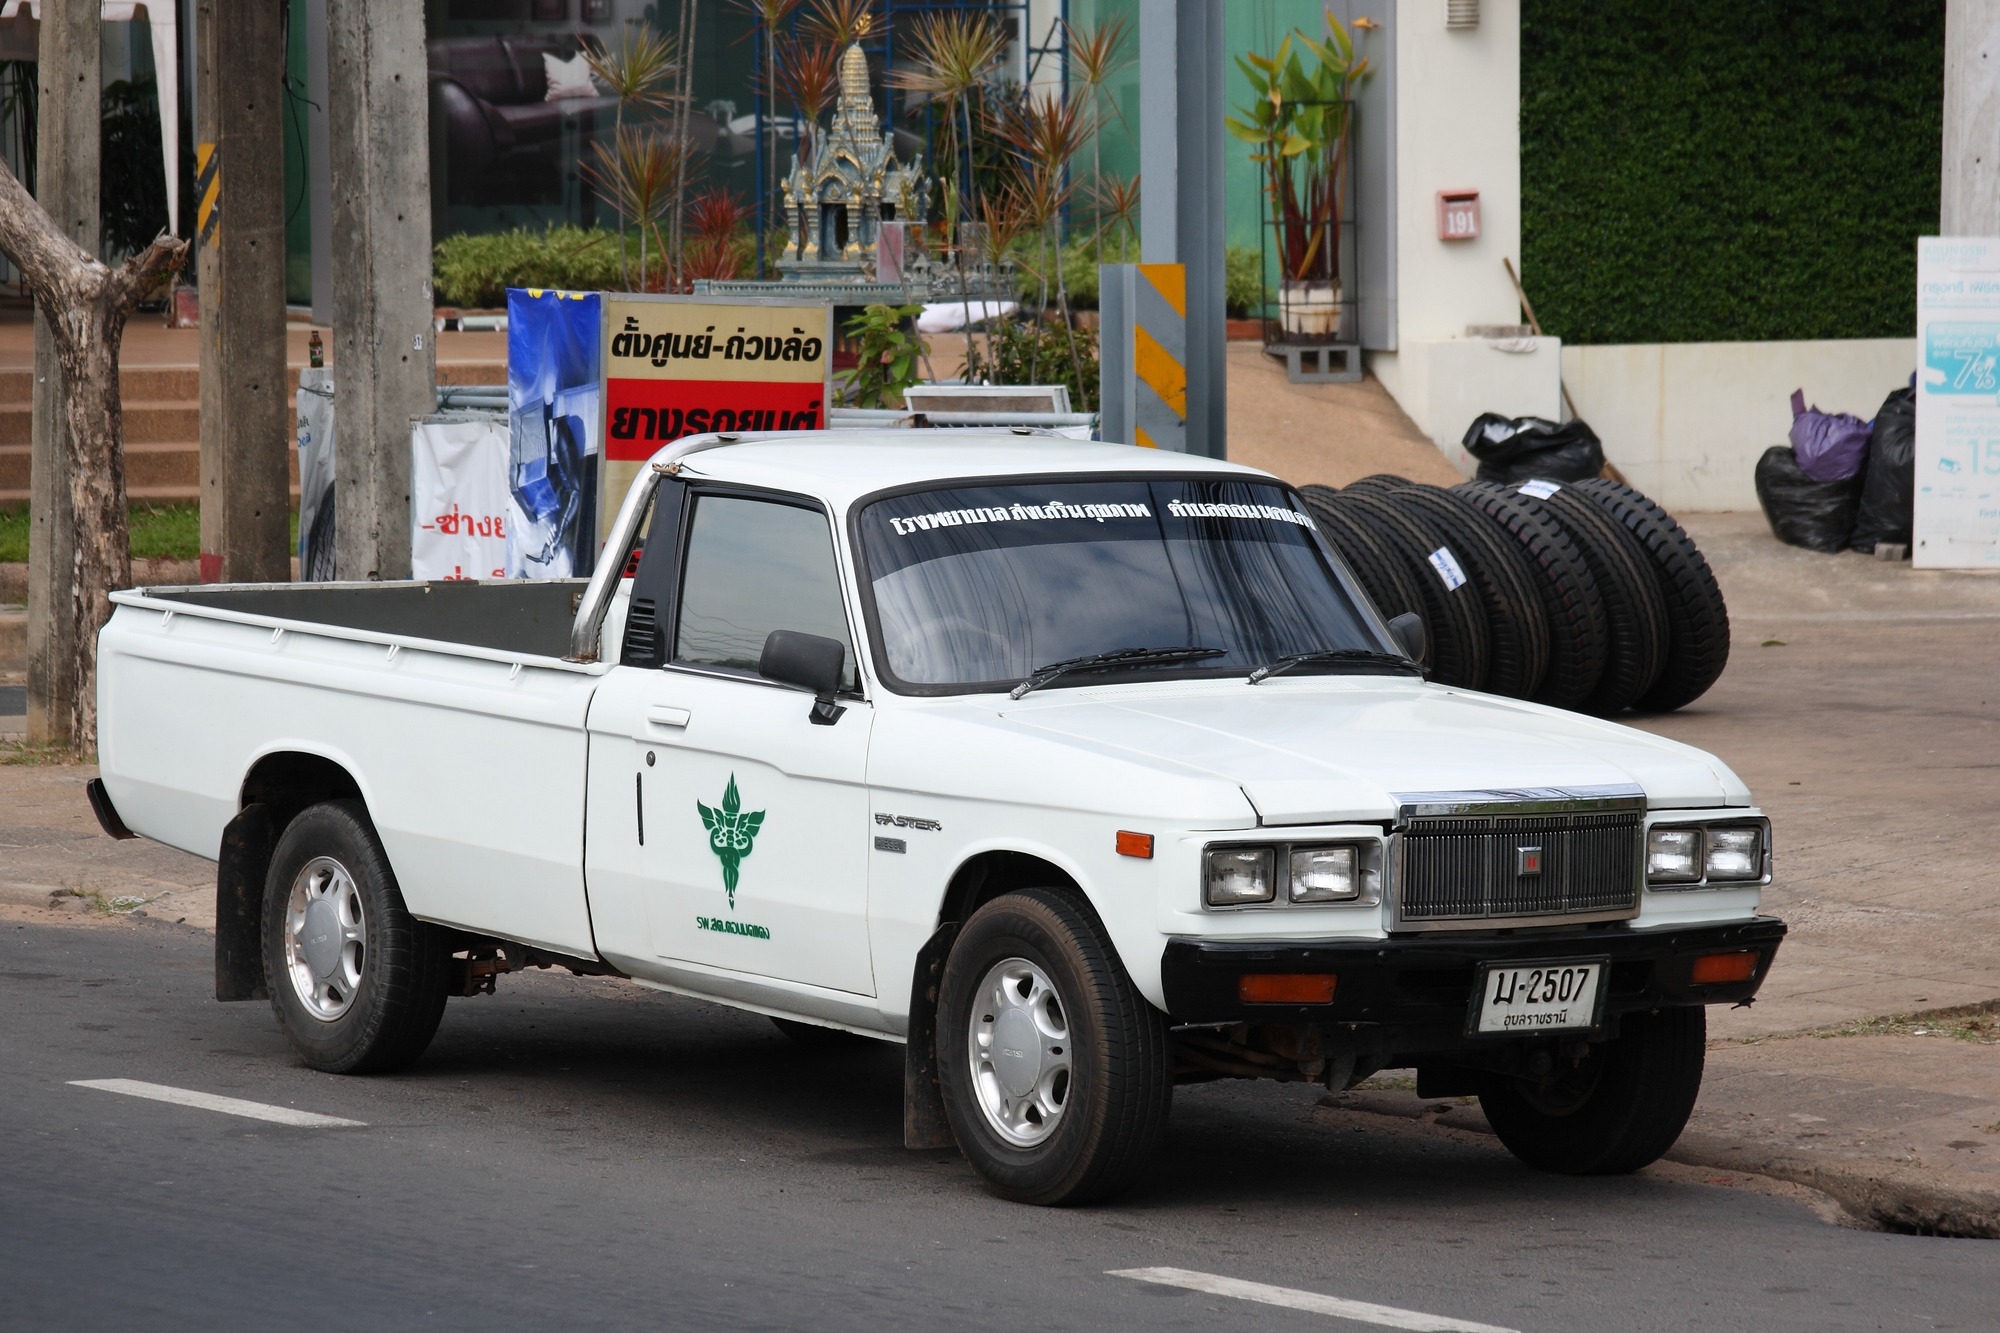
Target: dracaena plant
<point x="1298" y="119"/>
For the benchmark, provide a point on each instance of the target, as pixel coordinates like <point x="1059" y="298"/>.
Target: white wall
<point x="1458" y="97"/>
<point x="1686" y="422"/>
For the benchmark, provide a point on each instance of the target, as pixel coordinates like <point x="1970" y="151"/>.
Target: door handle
<point x="662" y="716"/>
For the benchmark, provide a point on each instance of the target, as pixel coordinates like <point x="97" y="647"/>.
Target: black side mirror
<point x="1410" y="635"/>
<point x="810" y="661"/>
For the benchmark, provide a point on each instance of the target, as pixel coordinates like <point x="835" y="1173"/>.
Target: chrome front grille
<point x="1464" y="870"/>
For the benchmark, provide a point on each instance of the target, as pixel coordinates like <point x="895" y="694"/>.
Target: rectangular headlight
<point x="1735" y="853"/>
<point x="1237" y="875"/>
<point x="1673" y="855"/>
<point x="1325" y="874"/>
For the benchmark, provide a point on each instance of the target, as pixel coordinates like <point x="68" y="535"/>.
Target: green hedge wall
<point x="1705" y="170"/>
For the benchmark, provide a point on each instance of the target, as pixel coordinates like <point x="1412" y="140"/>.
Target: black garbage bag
<point x="1889" y="481"/>
<point x="1817" y="515"/>
<point x="1527" y="448"/>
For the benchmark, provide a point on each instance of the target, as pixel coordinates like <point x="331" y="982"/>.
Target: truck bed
<point x="451" y="705"/>
<point x="511" y="616"/>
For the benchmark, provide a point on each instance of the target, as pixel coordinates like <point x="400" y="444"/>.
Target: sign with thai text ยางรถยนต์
<point x="679" y="366"/>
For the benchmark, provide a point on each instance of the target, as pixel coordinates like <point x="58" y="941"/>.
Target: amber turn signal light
<point x="1286" y="987"/>
<point x="1135" y="844"/>
<point x="1712" y="968"/>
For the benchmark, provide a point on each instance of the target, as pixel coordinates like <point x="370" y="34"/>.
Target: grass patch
<point x="1978" y="1023"/>
<point x="159" y="532"/>
<point x="14" y="754"/>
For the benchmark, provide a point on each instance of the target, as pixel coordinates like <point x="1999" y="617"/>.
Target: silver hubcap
<point x="325" y="938"/>
<point x="1018" y="1044"/>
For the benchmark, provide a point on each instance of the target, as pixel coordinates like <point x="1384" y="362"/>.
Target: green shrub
<point x="1027" y="351"/>
<point x="1709" y="171"/>
<point x="158" y="531"/>
<point x="475" y="271"/>
<point x="1243" y="288"/>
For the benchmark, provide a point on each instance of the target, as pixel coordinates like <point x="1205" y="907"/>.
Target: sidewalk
<point x="1862" y="707"/>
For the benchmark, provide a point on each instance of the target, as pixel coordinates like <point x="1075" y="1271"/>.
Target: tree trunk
<point x="85" y="305"/>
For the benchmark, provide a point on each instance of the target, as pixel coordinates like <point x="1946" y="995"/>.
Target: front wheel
<point x="1054" y="1069"/>
<point x="358" y="984"/>
<point x="1618" y="1109"/>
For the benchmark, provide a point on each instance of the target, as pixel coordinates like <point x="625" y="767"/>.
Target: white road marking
<point x="1388" y="1316"/>
<point x="208" y="1101"/>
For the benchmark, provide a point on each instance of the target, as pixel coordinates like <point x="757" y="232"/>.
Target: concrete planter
<point x="1309" y="309"/>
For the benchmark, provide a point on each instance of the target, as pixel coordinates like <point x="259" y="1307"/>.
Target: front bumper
<point x="1426" y="982"/>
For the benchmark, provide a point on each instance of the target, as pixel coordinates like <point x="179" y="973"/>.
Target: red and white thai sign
<point x="677" y="366"/>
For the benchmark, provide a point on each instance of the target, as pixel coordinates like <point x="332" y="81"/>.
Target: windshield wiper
<point x="1364" y="655"/>
<point x="1118" y="657"/>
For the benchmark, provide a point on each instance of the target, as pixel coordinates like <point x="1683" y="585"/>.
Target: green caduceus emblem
<point x="731" y="831"/>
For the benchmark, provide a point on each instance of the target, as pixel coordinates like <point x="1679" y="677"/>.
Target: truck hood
<point x="1345" y="748"/>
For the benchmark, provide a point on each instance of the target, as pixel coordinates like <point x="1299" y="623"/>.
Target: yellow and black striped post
<point x="1143" y="354"/>
<point x="207" y="192"/>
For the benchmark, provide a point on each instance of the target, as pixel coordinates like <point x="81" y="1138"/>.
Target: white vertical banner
<point x="458" y="497"/>
<point x="315" y="438"/>
<point x="1957" y="517"/>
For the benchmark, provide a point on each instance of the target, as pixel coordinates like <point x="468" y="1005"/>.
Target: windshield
<point x="975" y="587"/>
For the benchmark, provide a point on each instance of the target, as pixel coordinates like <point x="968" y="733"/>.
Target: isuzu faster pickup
<point x="1080" y="770"/>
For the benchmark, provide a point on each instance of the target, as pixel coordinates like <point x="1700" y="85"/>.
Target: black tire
<point x="1697" y="617"/>
<point x="1568" y="593"/>
<point x="1621" y="1109"/>
<point x="1454" y="616"/>
<point x="1380" y="483"/>
<point x="1635" y="611"/>
<point x="388" y="982"/>
<point x="1112" y="1097"/>
<point x="1517" y="626"/>
<point x="816" y="1038"/>
<point x="1382" y="574"/>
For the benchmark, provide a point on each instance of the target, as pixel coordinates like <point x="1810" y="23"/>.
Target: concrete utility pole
<point x="1182" y="92"/>
<point x="384" y="360"/>
<point x="70" y="84"/>
<point x="240" y="259"/>
<point x="1970" y="198"/>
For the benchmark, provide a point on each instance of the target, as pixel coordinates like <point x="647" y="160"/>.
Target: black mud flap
<point x="107" y="813"/>
<point x="245" y="859"/>
<point x="924" y="1122"/>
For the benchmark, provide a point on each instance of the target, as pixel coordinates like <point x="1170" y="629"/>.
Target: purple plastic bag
<point x="1830" y="446"/>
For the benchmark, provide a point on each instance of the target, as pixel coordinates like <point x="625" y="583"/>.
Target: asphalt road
<point x="595" y="1155"/>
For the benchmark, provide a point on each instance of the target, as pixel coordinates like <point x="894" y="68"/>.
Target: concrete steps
<point x="162" y="427"/>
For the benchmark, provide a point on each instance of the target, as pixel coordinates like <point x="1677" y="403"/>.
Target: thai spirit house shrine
<point x="844" y="186"/>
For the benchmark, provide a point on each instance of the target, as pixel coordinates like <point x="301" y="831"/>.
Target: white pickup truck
<point x="1081" y="770"/>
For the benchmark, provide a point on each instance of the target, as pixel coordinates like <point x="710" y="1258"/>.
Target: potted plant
<point x="1299" y="119"/>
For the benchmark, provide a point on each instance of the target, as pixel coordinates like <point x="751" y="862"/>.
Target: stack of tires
<point x="1584" y="595"/>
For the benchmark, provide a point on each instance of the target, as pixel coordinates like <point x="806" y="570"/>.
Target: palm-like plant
<point x="953" y="51"/>
<point x="1298" y="118"/>
<point x="810" y="78"/>
<point x="1117" y="203"/>
<point x="840" y="23"/>
<point x="1095" y="54"/>
<point x="770" y="15"/>
<point x="640" y="173"/>
<point x="715" y="245"/>
<point x="638" y="69"/>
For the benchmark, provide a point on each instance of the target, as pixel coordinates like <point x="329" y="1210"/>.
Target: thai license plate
<point x="1522" y="999"/>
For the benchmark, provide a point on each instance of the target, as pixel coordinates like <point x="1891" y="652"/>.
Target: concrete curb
<point x="1894" y="1199"/>
<point x="1907" y="1202"/>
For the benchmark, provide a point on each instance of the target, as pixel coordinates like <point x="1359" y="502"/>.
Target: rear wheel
<point x="1055" y="1070"/>
<point x="1616" y="1110"/>
<point x="358" y="984"/>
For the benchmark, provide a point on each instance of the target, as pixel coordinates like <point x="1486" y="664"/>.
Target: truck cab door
<point x="729" y="831"/>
